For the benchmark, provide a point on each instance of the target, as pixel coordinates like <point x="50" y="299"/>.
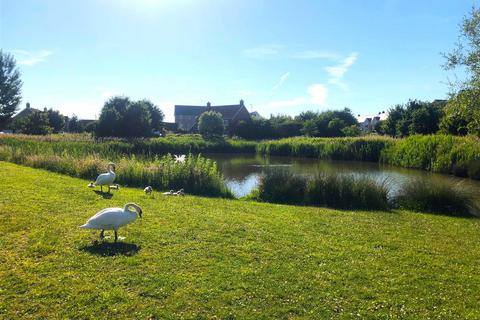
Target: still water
<point x="242" y="171"/>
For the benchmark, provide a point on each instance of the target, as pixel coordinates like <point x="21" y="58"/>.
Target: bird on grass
<point x="105" y="179"/>
<point x="169" y="193"/>
<point x="179" y="158"/>
<point x="116" y="186"/>
<point x="180" y="192"/>
<point x="113" y="219"/>
<point x="148" y="190"/>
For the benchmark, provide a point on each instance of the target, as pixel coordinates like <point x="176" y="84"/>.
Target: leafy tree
<point x="466" y="54"/>
<point x="310" y="128"/>
<point x="415" y="117"/>
<point x="210" y="124"/>
<point x="156" y="115"/>
<point x="55" y="120"/>
<point x="73" y="124"/>
<point x="137" y="120"/>
<point x="351" y="131"/>
<point x="462" y="114"/>
<point x="37" y="123"/>
<point x="10" y="87"/>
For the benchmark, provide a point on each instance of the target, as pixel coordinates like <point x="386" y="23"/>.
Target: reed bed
<point x="196" y="175"/>
<point x="437" y="153"/>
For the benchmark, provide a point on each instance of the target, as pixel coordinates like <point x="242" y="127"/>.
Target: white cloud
<point x="28" y="58"/>
<point x="263" y="51"/>
<point x="338" y="71"/>
<point x="168" y="109"/>
<point x="317" y="95"/>
<point x="316" y="54"/>
<point x="282" y="79"/>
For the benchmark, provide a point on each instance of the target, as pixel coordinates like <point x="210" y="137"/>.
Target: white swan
<point x="148" y="189"/>
<point x="180" y="192"/>
<point x="113" y="218"/>
<point x="180" y="158"/>
<point x="106" y="179"/>
<point x="169" y="193"/>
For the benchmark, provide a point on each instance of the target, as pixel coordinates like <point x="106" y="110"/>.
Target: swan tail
<point x="87" y="226"/>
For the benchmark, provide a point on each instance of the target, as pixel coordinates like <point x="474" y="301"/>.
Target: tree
<point x="73" y="124"/>
<point x="37" y="123"/>
<point x="210" y="124"/>
<point x="352" y="131"/>
<point x="310" y="128"/>
<point x="10" y="87"/>
<point x="55" y="120"/>
<point x="462" y="114"/>
<point x="137" y="120"/>
<point x="156" y="115"/>
<point x="466" y="54"/>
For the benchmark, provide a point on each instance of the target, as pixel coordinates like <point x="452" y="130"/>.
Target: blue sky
<point x="279" y="56"/>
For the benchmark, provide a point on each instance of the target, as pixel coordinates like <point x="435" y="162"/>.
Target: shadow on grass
<point x="104" y="195"/>
<point x="110" y="249"/>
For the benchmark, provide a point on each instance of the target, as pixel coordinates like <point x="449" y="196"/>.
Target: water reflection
<point x="242" y="171"/>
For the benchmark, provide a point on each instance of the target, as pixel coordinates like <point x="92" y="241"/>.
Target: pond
<point x="242" y="171"/>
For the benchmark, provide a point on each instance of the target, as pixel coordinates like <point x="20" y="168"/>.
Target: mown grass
<point x="205" y="258"/>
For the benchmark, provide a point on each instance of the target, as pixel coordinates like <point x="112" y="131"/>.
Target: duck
<point x="169" y="193"/>
<point x="113" y="219"/>
<point x="148" y="190"/>
<point x="180" y="192"/>
<point x="179" y="158"/>
<point x="106" y="179"/>
<point x="116" y="186"/>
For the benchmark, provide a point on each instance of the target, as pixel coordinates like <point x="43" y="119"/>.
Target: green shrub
<point x="429" y="195"/>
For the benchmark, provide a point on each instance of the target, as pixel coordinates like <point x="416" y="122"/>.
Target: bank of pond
<point x="144" y="162"/>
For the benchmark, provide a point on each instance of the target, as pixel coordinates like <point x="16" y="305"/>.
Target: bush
<point x="429" y="195"/>
<point x="210" y="124"/>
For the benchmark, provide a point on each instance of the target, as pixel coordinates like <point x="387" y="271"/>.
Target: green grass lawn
<point x="202" y="258"/>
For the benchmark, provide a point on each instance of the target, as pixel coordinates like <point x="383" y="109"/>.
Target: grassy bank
<point x="208" y="258"/>
<point x="83" y="144"/>
<point x="196" y="175"/>
<point x="437" y="153"/>
<point x="358" y="149"/>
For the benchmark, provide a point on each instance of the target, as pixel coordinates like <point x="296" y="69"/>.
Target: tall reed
<point x="324" y="189"/>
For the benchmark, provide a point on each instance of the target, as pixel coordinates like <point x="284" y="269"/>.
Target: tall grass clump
<point x="324" y="189"/>
<point x="429" y="195"/>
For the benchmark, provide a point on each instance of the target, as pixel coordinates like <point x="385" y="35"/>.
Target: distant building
<point x="186" y="117"/>
<point x="25" y="112"/>
<point x="256" y="115"/>
<point x="367" y="123"/>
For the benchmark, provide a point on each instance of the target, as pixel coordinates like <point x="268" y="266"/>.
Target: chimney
<point x="27" y="105"/>
<point x="241" y="102"/>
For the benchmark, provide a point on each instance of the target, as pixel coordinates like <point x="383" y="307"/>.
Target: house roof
<point x="25" y="112"/>
<point x="188" y="110"/>
<point x="383" y="116"/>
<point x="228" y="112"/>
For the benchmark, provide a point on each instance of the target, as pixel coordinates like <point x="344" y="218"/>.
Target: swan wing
<point x="105" y="179"/>
<point x="110" y="218"/>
